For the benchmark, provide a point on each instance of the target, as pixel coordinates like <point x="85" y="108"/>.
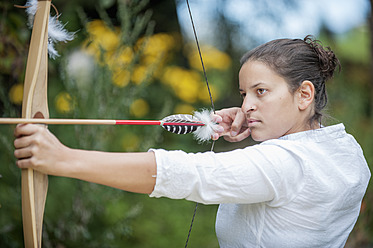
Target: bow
<point x="34" y="105"/>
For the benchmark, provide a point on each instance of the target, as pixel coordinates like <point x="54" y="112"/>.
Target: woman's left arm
<point x="38" y="149"/>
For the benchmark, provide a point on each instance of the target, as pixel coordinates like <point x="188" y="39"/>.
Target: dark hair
<point x="297" y="60"/>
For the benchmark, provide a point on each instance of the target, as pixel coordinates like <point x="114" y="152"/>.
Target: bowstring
<point x="212" y="106"/>
<point x="200" y="56"/>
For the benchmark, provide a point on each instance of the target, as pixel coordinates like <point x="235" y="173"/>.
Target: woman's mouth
<point x="252" y="122"/>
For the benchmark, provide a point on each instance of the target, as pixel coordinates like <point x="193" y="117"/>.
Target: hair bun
<point x="327" y="59"/>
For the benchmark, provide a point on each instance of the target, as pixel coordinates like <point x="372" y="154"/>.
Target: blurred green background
<point x="136" y="60"/>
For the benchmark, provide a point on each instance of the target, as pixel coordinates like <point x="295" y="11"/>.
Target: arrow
<point x="179" y="124"/>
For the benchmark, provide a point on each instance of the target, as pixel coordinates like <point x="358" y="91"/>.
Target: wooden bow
<point x="35" y="105"/>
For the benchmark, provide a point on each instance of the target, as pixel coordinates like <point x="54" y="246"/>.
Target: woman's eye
<point x="261" y="91"/>
<point x="243" y="95"/>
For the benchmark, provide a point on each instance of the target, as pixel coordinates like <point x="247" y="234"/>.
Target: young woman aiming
<point x="302" y="186"/>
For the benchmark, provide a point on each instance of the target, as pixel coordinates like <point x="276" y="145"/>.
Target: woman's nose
<point x="248" y="106"/>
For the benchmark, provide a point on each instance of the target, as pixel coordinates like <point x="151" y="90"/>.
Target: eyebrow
<point x="254" y="86"/>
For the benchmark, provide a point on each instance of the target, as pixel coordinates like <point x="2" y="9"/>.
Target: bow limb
<point x="35" y="184"/>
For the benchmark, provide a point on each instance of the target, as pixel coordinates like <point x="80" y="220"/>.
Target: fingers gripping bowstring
<point x="212" y="105"/>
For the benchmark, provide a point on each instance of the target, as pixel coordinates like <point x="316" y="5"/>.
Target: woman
<point x="301" y="187"/>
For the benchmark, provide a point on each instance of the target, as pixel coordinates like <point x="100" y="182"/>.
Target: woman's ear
<point x="306" y="94"/>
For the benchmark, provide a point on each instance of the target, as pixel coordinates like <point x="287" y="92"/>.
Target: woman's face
<point x="271" y="110"/>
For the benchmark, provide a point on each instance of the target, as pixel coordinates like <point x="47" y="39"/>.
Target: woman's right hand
<point x="234" y="124"/>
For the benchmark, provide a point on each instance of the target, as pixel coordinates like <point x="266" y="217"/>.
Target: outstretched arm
<point x="37" y="148"/>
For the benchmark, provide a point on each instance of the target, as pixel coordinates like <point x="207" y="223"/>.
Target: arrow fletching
<point x="200" y="124"/>
<point x="181" y="124"/>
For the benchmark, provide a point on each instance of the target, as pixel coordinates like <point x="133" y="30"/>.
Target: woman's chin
<point x="260" y="137"/>
<point x="257" y="137"/>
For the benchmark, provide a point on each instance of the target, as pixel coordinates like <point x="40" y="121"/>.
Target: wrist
<point x="68" y="163"/>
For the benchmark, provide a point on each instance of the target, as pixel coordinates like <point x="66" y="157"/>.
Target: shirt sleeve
<point x="255" y="174"/>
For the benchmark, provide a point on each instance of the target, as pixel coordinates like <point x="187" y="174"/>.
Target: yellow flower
<point x="139" y="108"/>
<point x="183" y="109"/>
<point x="187" y="90"/>
<point x="156" y="48"/>
<point x="118" y="64"/>
<point x="158" y="43"/>
<point x="185" y="83"/>
<point x="121" y="78"/>
<point x="101" y="38"/>
<point x="64" y="102"/>
<point x="171" y="74"/>
<point x="16" y="94"/>
<point x="139" y="74"/>
<point x="150" y="59"/>
<point x="120" y="58"/>
<point x="212" y="59"/>
<point x="130" y="142"/>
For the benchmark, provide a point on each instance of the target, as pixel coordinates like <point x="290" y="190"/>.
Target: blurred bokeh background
<point x="137" y="59"/>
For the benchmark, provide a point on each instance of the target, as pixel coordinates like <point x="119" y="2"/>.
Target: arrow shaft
<point x="93" y="122"/>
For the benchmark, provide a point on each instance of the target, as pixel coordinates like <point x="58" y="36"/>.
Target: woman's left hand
<point x="39" y="149"/>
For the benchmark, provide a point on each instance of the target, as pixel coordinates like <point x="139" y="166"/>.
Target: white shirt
<point x="301" y="190"/>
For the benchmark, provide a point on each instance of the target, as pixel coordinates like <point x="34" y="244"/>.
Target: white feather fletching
<point x="56" y="30"/>
<point x="205" y="132"/>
